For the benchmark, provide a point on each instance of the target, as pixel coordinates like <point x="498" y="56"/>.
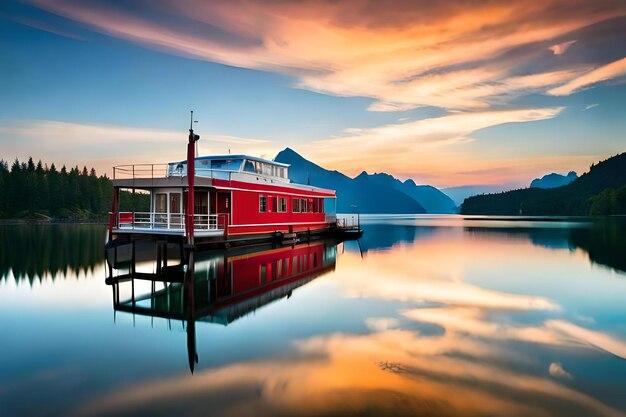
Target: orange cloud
<point x="453" y="55"/>
<point x="404" y="55"/>
<point x="103" y="146"/>
<point x="417" y="148"/>
<point x="603" y="73"/>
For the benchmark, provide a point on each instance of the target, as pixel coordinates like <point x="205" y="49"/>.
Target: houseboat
<point x="224" y="200"/>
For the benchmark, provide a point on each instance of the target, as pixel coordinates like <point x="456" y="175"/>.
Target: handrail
<point x="137" y="171"/>
<point x="165" y="221"/>
<point x="152" y="171"/>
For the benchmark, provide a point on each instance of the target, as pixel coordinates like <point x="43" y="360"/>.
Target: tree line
<point x="36" y="190"/>
<point x="601" y="191"/>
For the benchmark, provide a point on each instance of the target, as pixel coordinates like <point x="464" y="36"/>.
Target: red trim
<point x="270" y="228"/>
<point x="256" y="187"/>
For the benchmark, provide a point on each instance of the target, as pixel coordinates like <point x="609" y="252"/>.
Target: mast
<point x="191" y="176"/>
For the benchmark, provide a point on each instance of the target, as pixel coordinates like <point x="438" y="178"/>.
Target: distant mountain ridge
<point x="375" y="193"/>
<point x="460" y="193"/>
<point x="429" y="197"/>
<point x="600" y="191"/>
<point x="553" y="180"/>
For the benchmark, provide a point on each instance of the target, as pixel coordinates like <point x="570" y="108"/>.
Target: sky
<point x="447" y="93"/>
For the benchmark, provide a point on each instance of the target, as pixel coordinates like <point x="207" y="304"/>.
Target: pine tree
<point x="4" y="172"/>
<point x="57" y="199"/>
<point x="30" y="189"/>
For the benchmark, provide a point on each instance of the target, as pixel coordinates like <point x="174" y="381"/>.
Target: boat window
<point x="282" y="204"/>
<point x="175" y="205"/>
<point x="303" y="205"/>
<point x="201" y="202"/>
<point x="274" y="204"/>
<point x="267" y="169"/>
<point x="295" y="204"/>
<point x="262" y="204"/>
<point x="160" y="203"/>
<point x="249" y="166"/>
<point x="226" y="164"/>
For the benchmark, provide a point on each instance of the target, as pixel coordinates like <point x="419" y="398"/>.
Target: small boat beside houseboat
<point x="224" y="200"/>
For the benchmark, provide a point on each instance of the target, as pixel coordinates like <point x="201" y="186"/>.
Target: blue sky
<point x="444" y="100"/>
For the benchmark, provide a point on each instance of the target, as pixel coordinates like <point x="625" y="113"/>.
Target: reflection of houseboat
<point x="223" y="199"/>
<point x="221" y="287"/>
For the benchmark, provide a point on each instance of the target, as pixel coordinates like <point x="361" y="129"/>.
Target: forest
<point x="600" y="191"/>
<point x="30" y="190"/>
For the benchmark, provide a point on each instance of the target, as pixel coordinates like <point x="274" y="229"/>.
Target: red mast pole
<point x="113" y="213"/>
<point x="191" y="176"/>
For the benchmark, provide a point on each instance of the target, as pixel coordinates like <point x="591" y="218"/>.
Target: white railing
<point x="165" y="221"/>
<point x="205" y="222"/>
<point x="138" y="171"/>
<point x="152" y="171"/>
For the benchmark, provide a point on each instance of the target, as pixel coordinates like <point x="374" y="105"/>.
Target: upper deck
<point x="210" y="171"/>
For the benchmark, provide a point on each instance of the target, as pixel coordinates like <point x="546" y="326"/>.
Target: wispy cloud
<point x="103" y="146"/>
<point x="561" y="48"/>
<point x="403" y="56"/>
<point x="606" y="72"/>
<point x="46" y="27"/>
<point x="471" y="60"/>
<point x="418" y="147"/>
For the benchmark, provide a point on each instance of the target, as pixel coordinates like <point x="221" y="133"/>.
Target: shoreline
<point x="13" y="222"/>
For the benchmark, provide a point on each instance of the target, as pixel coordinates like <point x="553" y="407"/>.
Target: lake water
<point x="427" y="315"/>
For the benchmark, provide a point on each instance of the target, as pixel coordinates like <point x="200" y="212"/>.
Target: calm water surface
<point x="434" y="316"/>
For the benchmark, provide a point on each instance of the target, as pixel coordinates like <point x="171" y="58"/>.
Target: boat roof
<point x="229" y="156"/>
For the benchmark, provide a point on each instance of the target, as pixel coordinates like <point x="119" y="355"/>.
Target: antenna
<point x="191" y="122"/>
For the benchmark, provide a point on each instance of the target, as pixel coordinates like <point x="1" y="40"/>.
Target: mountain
<point x="460" y="193"/>
<point x="368" y="198"/>
<point x="553" y="180"/>
<point x="600" y="191"/>
<point x="433" y="200"/>
<point x="370" y="193"/>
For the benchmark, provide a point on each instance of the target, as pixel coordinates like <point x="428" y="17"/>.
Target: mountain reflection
<point x="216" y="286"/>
<point x="601" y="238"/>
<point x="32" y="252"/>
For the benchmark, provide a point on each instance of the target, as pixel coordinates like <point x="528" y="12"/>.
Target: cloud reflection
<point x="485" y="359"/>
<point x="392" y="372"/>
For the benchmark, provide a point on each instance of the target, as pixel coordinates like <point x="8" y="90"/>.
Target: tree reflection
<point x="32" y="252"/>
<point x="602" y="238"/>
